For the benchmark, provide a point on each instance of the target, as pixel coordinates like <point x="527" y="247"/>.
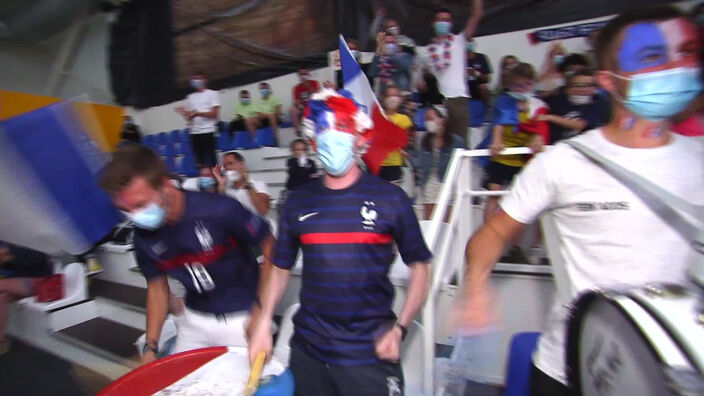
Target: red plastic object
<point x="49" y="288"/>
<point x="161" y="373"/>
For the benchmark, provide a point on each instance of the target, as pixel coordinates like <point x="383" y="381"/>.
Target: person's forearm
<point x="481" y="253"/>
<point x="157" y="307"/>
<point x="473" y="22"/>
<point x="261" y="201"/>
<point x="497" y="134"/>
<point x="570" y="123"/>
<point x="415" y="293"/>
<point x="212" y="113"/>
<point x="273" y="288"/>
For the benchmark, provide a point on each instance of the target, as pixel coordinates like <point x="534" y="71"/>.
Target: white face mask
<point x="580" y="99"/>
<point x="302" y="160"/>
<point x="233" y="175"/>
<point x="395" y="30"/>
<point x="393" y="102"/>
<point x="432" y="126"/>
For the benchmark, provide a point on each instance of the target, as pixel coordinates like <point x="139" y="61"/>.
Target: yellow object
<point x="254" y="375"/>
<point x="395" y="158"/>
<point x="104" y="121"/>
<point x="515" y="138"/>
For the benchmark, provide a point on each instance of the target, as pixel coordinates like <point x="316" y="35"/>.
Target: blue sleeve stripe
<point x="361" y="297"/>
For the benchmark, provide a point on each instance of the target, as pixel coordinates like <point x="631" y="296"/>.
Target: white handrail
<point x="458" y="178"/>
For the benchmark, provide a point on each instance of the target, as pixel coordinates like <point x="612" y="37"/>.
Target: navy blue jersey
<point x="209" y="251"/>
<point x="347" y="237"/>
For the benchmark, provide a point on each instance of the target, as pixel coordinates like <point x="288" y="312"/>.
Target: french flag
<point x="385" y="137"/>
<point x="49" y="198"/>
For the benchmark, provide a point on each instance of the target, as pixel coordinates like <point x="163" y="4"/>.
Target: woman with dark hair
<point x="433" y="158"/>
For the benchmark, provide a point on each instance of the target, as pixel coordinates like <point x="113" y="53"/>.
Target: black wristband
<point x="150" y="346"/>
<point x="404" y="330"/>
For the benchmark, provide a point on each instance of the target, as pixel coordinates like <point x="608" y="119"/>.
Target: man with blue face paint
<point x="446" y="58"/>
<point x="203" y="240"/>
<point x="349" y="225"/>
<point x="649" y="63"/>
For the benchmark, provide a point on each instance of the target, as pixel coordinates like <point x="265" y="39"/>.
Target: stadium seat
<point x="175" y="136"/>
<point x="477" y="113"/>
<point x="162" y="138"/>
<point x="519" y="364"/>
<point x="242" y="141"/>
<point x="170" y="164"/>
<point x="286" y="124"/>
<point x="224" y="142"/>
<point x="185" y="136"/>
<point x="149" y="141"/>
<point x="265" y="137"/>
<point x="187" y="166"/>
<point x="222" y="127"/>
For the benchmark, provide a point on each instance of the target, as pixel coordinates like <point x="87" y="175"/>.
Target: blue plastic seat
<point x="519" y="364"/>
<point x="150" y="141"/>
<point x="175" y="136"/>
<point x="224" y="143"/>
<point x="477" y="113"/>
<point x="222" y="126"/>
<point x="170" y="164"/>
<point x="243" y="141"/>
<point x="187" y="166"/>
<point x="265" y="137"/>
<point x="162" y="138"/>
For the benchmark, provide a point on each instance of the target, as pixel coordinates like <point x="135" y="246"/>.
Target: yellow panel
<point x="15" y="103"/>
<point x="102" y="121"/>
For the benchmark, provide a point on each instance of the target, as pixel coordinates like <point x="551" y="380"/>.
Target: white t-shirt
<point x="242" y="195"/>
<point x="451" y="81"/>
<point x="608" y="236"/>
<point x="203" y="101"/>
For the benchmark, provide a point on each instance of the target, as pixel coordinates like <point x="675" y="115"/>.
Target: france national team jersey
<point x="347" y="237"/>
<point x="208" y="250"/>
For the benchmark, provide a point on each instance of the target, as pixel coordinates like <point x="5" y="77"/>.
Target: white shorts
<point x="430" y="193"/>
<point x="200" y="330"/>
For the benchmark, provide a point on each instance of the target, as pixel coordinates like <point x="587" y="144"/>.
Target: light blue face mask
<point x="196" y="84"/>
<point x="442" y="28"/>
<point x="335" y="151"/>
<point x="471" y="46"/>
<point x="149" y="218"/>
<point x="557" y="59"/>
<point x="521" y="95"/>
<point x="264" y="92"/>
<point x="245" y="101"/>
<point x="206" y="182"/>
<point x="659" y="95"/>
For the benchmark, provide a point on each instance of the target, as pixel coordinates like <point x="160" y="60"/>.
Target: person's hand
<point x="148" y="357"/>
<point x="474" y="311"/>
<point x="380" y="42"/>
<point x="544" y="117"/>
<point x="217" y="175"/>
<point x="260" y="339"/>
<point x="191" y="115"/>
<point x="536" y="144"/>
<point x="496" y="148"/>
<point x="388" y="346"/>
<point x="244" y="176"/>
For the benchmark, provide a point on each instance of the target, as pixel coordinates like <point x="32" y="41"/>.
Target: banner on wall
<point x="564" y="32"/>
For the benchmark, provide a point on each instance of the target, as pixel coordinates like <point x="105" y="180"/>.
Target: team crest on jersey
<point x="204" y="237"/>
<point x="393" y="384"/>
<point x="369" y="215"/>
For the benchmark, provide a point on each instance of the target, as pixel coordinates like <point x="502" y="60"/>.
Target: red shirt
<point x="692" y="126"/>
<point x="303" y="91"/>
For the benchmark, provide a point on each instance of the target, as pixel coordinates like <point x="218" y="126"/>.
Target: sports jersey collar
<point x="324" y="189"/>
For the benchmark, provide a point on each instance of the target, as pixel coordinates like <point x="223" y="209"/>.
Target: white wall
<point x="164" y="118"/>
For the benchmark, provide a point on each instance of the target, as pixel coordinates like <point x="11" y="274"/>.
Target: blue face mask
<point x="149" y="218"/>
<point x="196" y="84"/>
<point x="659" y="95"/>
<point x="442" y="28"/>
<point x="206" y="182"/>
<point x="335" y="151"/>
<point x="557" y="59"/>
<point x="245" y="101"/>
<point x="263" y="91"/>
<point x="471" y="46"/>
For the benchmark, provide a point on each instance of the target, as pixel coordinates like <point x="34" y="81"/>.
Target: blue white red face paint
<point x="648" y="45"/>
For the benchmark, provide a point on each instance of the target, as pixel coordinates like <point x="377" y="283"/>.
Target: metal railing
<point x="457" y="184"/>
